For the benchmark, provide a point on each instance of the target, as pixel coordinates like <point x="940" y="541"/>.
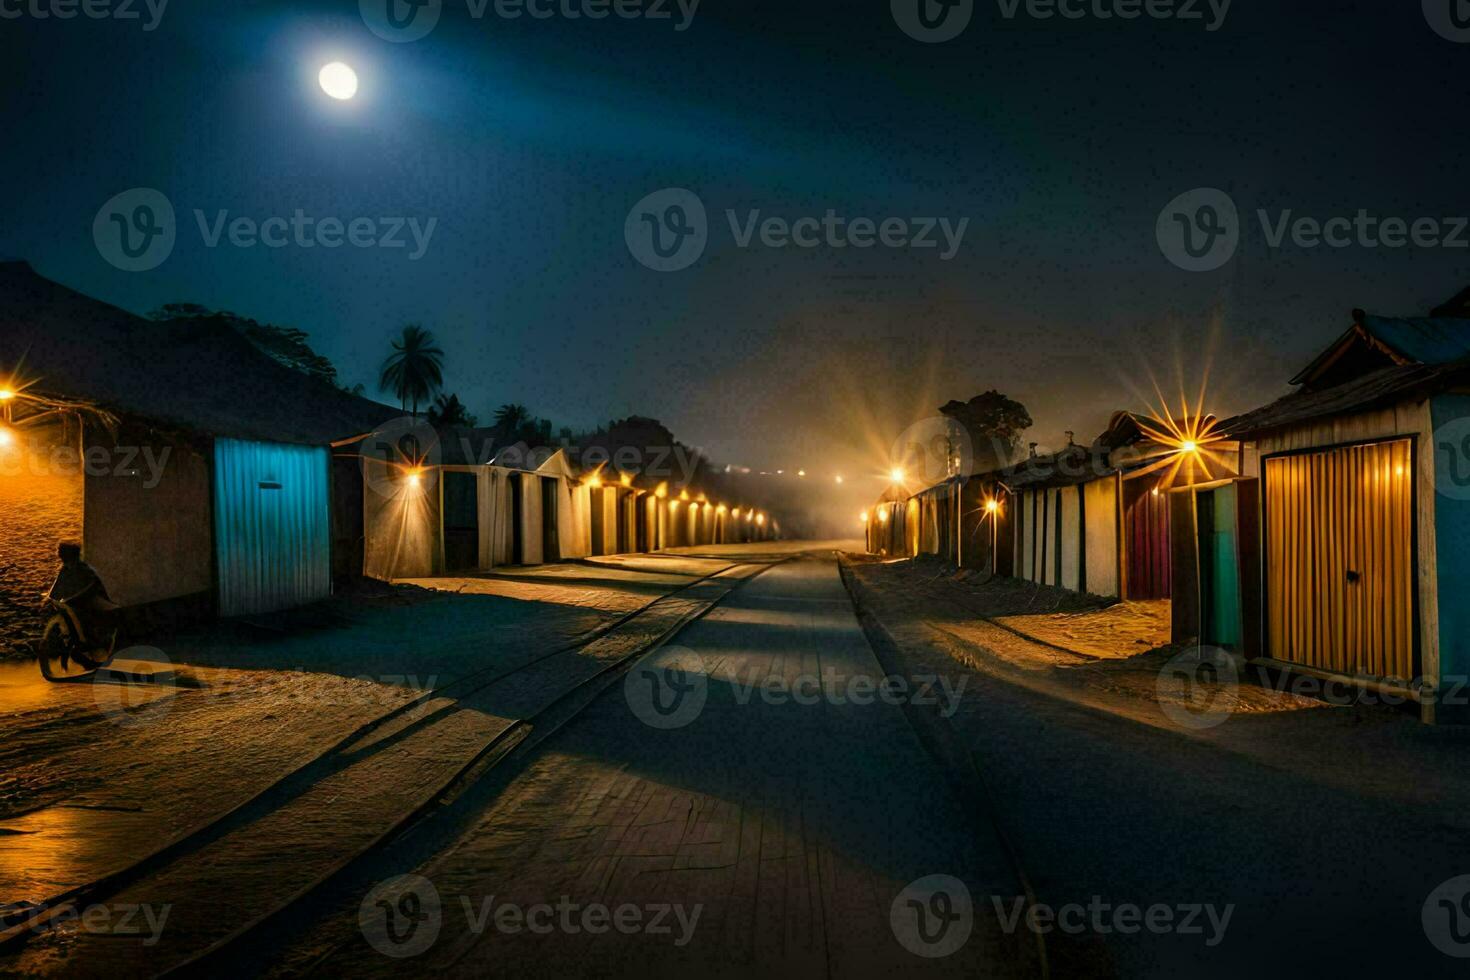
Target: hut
<point x="194" y="468"/>
<point x="432" y="507"/>
<point x="1352" y="516"/>
<point x="1095" y="518"/>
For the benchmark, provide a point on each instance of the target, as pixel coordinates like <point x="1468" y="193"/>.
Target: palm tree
<point x="449" y="412"/>
<point x="512" y="417"/>
<point x="415" y="369"/>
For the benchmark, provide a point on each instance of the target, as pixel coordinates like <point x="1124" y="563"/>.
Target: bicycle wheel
<point x="56" y="652"/>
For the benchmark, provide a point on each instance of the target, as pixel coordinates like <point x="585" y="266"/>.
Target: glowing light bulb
<point x="897" y="474"/>
<point x="839" y="479"/>
<point x="992" y="506"/>
<point x="6" y="394"/>
<point x="7" y="438"/>
<point x="1189" y="446"/>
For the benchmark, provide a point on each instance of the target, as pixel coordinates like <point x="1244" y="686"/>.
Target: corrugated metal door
<point x="1146" y="538"/>
<point x="1339" y="559"/>
<point x="272" y="528"/>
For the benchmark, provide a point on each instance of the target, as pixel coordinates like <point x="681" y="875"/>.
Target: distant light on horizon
<point x="338" y="80"/>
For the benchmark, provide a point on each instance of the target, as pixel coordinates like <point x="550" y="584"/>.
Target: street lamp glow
<point x="338" y="80"/>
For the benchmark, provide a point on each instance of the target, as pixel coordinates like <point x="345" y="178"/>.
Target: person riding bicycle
<point x="80" y="587"/>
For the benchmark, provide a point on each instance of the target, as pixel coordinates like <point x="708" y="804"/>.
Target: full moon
<point x="338" y="80"/>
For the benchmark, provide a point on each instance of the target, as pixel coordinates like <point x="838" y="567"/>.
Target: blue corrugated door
<point x="272" y="528"/>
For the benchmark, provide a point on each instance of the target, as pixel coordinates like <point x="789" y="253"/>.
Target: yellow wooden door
<point x="1339" y="559"/>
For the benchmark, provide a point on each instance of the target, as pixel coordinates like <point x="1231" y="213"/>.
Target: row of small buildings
<point x="201" y="476"/>
<point x="1326" y="533"/>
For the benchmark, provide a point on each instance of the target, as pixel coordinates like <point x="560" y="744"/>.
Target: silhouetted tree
<point x="994" y="423"/>
<point x="414" y="372"/>
<point x="512" y="417"/>
<point x="285" y="345"/>
<point x="449" y="412"/>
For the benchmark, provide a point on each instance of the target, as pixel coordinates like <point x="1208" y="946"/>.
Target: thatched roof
<point x="196" y="376"/>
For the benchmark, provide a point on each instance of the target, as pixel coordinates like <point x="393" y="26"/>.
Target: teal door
<point x="1219" y="569"/>
<point x="272" y="526"/>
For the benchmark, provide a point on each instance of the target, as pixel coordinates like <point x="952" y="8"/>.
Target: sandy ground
<point x="94" y="775"/>
<point x="1325" y="826"/>
<point x="36" y="513"/>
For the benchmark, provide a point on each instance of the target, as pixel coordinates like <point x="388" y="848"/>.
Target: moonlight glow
<point x="338" y="80"/>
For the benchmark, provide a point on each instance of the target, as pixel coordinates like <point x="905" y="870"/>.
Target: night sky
<point x="529" y="141"/>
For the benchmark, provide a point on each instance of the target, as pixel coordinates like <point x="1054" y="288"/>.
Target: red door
<point x="1146" y="538"/>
